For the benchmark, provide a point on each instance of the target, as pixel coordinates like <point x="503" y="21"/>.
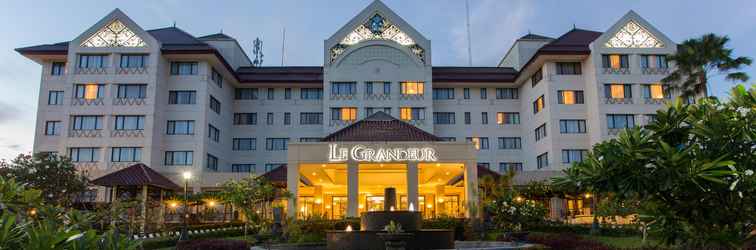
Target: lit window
<point x="615" y="61"/>
<point x="538" y="105"/>
<point x="344" y="114"/>
<point x="479" y="142"/>
<point x="89" y="91"/>
<point x="618" y="91"/>
<point x="571" y="97"/>
<point x="413" y="88"/>
<point x="507" y="118"/>
<point x="656" y="91"/>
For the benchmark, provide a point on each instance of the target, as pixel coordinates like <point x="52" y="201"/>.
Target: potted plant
<point x="395" y="238"/>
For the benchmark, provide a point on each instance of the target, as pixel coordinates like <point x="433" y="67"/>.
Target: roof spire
<point x="574" y="26"/>
<point x="221" y="31"/>
<point x="174" y="24"/>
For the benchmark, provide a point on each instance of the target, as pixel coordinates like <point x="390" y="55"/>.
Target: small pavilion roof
<point x="136" y="175"/>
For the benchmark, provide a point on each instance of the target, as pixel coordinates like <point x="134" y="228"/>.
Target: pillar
<point x="144" y="208"/>
<point x="113" y="200"/>
<point x="353" y="189"/>
<point x="471" y="189"/>
<point x="292" y="184"/>
<point x="412" y="186"/>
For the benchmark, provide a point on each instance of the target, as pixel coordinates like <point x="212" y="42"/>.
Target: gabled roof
<point x="136" y="175"/>
<point x="45" y="49"/>
<point x="576" y="40"/>
<point x="534" y="37"/>
<point x="381" y="127"/>
<point x="217" y="36"/>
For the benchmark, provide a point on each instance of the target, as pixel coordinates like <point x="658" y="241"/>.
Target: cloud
<point x="8" y="113"/>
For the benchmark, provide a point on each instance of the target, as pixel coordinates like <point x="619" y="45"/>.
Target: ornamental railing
<point x="617" y="71"/>
<point x="655" y="71"/>
<point x="380" y="97"/>
<point x="610" y="100"/>
<point x="87" y="133"/>
<point x="129" y="101"/>
<point x="340" y="123"/>
<point x="655" y="101"/>
<point x="406" y="97"/>
<point x="132" y="71"/>
<point x="127" y="133"/>
<point x="342" y="97"/>
<point x="91" y="71"/>
<point x="87" y="102"/>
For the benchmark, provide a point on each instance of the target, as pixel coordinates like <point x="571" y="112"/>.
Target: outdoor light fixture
<point x="173" y="204"/>
<point x="440" y="200"/>
<point x="411" y="207"/>
<point x="348" y="228"/>
<point x="211" y="203"/>
<point x="429" y="206"/>
<point x="187" y="175"/>
<point x="184" y="231"/>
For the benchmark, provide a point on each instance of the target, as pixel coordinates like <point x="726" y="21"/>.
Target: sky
<point x="494" y="25"/>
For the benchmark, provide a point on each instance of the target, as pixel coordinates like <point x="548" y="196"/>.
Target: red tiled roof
<point x="136" y="175"/>
<point x="574" y="41"/>
<point x="381" y="127"/>
<point x="289" y="74"/>
<point x="277" y="175"/>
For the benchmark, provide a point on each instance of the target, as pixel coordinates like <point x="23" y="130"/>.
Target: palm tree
<point x="696" y="59"/>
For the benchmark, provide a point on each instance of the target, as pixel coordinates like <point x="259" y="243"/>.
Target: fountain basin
<point x="370" y="240"/>
<point x="377" y="220"/>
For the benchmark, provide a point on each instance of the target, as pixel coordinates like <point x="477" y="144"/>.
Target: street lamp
<point x="184" y="231"/>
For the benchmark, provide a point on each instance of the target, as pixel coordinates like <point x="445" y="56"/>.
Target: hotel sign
<point x="362" y="153"/>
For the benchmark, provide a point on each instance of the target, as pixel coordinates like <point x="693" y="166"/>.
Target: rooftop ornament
<point x="377" y="28"/>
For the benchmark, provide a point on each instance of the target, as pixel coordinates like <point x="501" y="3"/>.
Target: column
<point x="353" y="189"/>
<point x="144" y="209"/>
<point x="471" y="189"/>
<point x="292" y="184"/>
<point x="412" y="186"/>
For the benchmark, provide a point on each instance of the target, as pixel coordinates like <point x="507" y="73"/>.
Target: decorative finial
<point x="574" y="26"/>
<point x="174" y="24"/>
<point x="221" y="31"/>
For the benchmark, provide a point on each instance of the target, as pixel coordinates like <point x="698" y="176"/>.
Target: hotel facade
<point x="375" y="114"/>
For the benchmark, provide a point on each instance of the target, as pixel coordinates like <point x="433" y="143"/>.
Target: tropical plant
<point x="55" y="176"/>
<point x="697" y="59"/>
<point x="691" y="171"/>
<point x="251" y="193"/>
<point x="514" y="213"/>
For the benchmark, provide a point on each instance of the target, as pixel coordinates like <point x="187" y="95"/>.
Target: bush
<point x="172" y="241"/>
<point x="450" y="223"/>
<point x="604" y="230"/>
<point x="213" y="244"/>
<point x="565" y="241"/>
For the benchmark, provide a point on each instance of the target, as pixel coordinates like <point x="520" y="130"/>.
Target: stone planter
<point x="395" y="241"/>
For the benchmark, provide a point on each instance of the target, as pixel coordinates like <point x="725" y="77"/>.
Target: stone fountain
<point x="372" y="236"/>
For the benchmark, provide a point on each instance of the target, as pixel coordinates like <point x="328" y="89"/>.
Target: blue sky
<point x="495" y="24"/>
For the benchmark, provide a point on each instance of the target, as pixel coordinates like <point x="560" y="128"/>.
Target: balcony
<point x="132" y="71"/>
<point x="127" y="133"/>
<point x="610" y="100"/>
<point x="87" y="102"/>
<point x="88" y="133"/>
<point x="412" y="97"/>
<point x="91" y="71"/>
<point x="129" y="101"/>
<point x="655" y="71"/>
<point x="616" y="71"/>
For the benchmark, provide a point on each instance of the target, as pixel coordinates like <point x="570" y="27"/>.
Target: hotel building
<point x="375" y="114"/>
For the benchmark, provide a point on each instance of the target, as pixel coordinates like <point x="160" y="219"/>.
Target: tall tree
<point x="698" y="59"/>
<point x="55" y="176"/>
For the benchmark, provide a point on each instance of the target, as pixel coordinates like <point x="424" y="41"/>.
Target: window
<point x="570" y="97"/>
<point x="443" y="94"/>
<point x="126" y="154"/>
<point x="275" y="144"/>
<point x="540" y="132"/>
<point x="182" y="97"/>
<point x="178" y="158"/>
<point x="507" y="93"/>
<point x="466" y="93"/>
<point x="573" y="155"/>
<point x="133" y="61"/>
<point x="287" y="118"/>
<point x="542" y="160"/>
<point x="620" y="121"/>
<point x="510" y="143"/>
<point x="536" y="78"/>
<point x="484" y="118"/>
<point x="650" y="118"/>
<point x="129" y="122"/>
<point x="370" y="110"/>
<point x="343" y="88"/>
<point x="213" y="133"/>
<point x="244" y="144"/>
<point x="92" y="61"/>
<point x="180" y="128"/>
<point x="568" y="68"/>
<point x="270" y="166"/>
<point x="480" y="143"/>
<point x="310" y="139"/>
<point x="269" y="118"/>
<point x="245" y="94"/>
<point x="654" y="61"/>
<point x="443" y="118"/>
<point x="572" y="126"/>
<point x="614" y="61"/>
<point x="217" y="78"/>
<point x="344" y="114"/>
<point x="215" y="105"/>
<point x="87" y="122"/>
<point x="311" y="93"/>
<point x="271" y="93"/>
<point x="468" y="118"/>
<point x="58" y="68"/>
<point x="131" y="91"/>
<point x="538" y="105"/>
<point x="242" y="168"/>
<point x="448" y="138"/>
<point x="89" y="91"/>
<point x="483" y="93"/>
<point x="412" y="88"/>
<point x="368" y="88"/>
<point x="287" y="93"/>
<point x="184" y="68"/>
<point x="84" y="154"/>
<point x="387" y="88"/>
<point x="618" y="91"/>
<point x="407" y="114"/>
<point x="53" y="127"/>
<point x="212" y="162"/>
<point x="654" y="91"/>
<point x="507" y="118"/>
<point x="510" y="166"/>
<point x="55" y="97"/>
<point x="310" y="118"/>
<point x="484" y="165"/>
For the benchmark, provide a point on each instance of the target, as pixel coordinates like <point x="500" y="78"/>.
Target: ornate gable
<point x="115" y="34"/>
<point x="633" y="35"/>
<point x="377" y="27"/>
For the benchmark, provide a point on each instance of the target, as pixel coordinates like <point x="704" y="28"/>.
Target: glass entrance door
<point x="374" y="203"/>
<point x="338" y="207"/>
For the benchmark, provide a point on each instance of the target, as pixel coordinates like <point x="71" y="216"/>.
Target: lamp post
<point x="184" y="230"/>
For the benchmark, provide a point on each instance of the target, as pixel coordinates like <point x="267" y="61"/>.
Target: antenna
<point x="257" y="51"/>
<point x="469" y="40"/>
<point x="283" y="46"/>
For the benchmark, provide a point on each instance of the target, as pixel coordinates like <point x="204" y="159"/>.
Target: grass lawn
<point x="622" y="242"/>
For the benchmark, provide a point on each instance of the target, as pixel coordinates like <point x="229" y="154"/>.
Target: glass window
<point x="213" y="133"/>
<point x="483" y="93"/>
<point x="484" y="118"/>
<point x="507" y="118"/>
<point x="129" y="122"/>
<point x="311" y="93"/>
<point x="407" y="113"/>
<point x="55" y="97"/>
<point x="538" y="105"/>
<point x="443" y="118"/>
<point x="58" y="68"/>
<point x="466" y="93"/>
<point x="217" y="78"/>
<point x="182" y="97"/>
<point x="413" y="88"/>
<point x="310" y="118"/>
<point x="245" y="118"/>
<point x="540" y="132"/>
<point x="89" y="91"/>
<point x="269" y="118"/>
<point x="480" y="143"/>
<point x="618" y="91"/>
<point x="536" y="78"/>
<point x="84" y="154"/>
<point x="270" y="166"/>
<point x="133" y="60"/>
<point x="443" y="94"/>
<point x="654" y="91"/>
<point x="92" y="61"/>
<point x="654" y="61"/>
<point x="386" y="88"/>
<point x="87" y="122"/>
<point x="287" y="93"/>
<point x="507" y="93"/>
<point x="179" y="158"/>
<point x="271" y="93"/>
<point x="344" y="114"/>
<point x="570" y="97"/>
<point x="180" y="128"/>
<point x="368" y="88"/>
<point x="343" y="88"/>
<point x="510" y="166"/>
<point x="244" y="144"/>
<point x="275" y="144"/>
<point x="310" y="139"/>
<point x="53" y="127"/>
<point x="573" y="155"/>
<point x="542" y="160"/>
<point x="131" y="91"/>
<point x="620" y="121"/>
<point x="568" y="68"/>
<point x="215" y="105"/>
<point x="468" y="118"/>
<point x="287" y="118"/>
<point x="126" y="154"/>
<point x="510" y="143"/>
<point x="184" y="68"/>
<point x="245" y="94"/>
<point x="242" y="168"/>
<point x="212" y="162"/>
<point x="572" y="126"/>
<point x="615" y="61"/>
